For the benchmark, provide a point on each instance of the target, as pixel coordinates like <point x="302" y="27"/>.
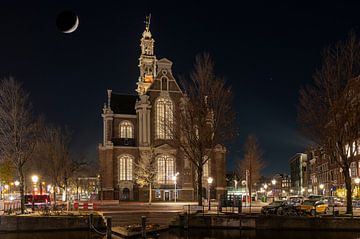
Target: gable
<point x="164" y="75"/>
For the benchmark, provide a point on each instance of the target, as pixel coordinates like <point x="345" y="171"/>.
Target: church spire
<point x="147" y="60"/>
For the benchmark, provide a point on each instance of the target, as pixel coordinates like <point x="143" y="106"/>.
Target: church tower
<point x="147" y="60"/>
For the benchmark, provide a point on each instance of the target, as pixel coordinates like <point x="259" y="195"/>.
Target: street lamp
<point x="273" y="182"/>
<point x="174" y="178"/>
<point x="209" y="180"/>
<point x="321" y="186"/>
<point x="7" y="187"/>
<point x="34" y="179"/>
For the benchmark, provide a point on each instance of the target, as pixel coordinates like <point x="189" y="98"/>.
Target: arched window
<point x="126" y="129"/>
<point x="206" y="169"/>
<point x="125" y="167"/>
<point x="164" y="118"/>
<point x="164" y="83"/>
<point x="165" y="169"/>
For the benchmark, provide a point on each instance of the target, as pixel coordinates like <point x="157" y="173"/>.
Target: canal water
<point x="196" y="234"/>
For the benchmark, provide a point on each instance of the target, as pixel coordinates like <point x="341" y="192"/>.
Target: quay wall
<point x="48" y="223"/>
<point x="269" y="223"/>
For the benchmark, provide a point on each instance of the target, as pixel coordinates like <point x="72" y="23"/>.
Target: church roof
<point x="123" y="104"/>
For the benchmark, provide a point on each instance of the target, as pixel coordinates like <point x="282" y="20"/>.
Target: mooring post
<point x="239" y="206"/>
<point x="108" y="227"/>
<point x="91" y="216"/>
<point x="143" y="226"/>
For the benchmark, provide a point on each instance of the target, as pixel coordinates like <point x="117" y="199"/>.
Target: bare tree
<point x="205" y="117"/>
<point x="53" y="153"/>
<point x="329" y="110"/>
<point x="145" y="171"/>
<point x="250" y="166"/>
<point x="55" y="160"/>
<point x="18" y="128"/>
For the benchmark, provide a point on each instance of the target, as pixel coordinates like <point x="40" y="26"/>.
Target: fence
<point x="9" y="206"/>
<point x="84" y="206"/>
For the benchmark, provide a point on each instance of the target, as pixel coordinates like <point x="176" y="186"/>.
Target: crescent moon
<point x="73" y="27"/>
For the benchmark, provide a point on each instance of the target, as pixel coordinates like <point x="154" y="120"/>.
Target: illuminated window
<point x="165" y="169"/>
<point x="353" y="169"/>
<point x="125" y="167"/>
<point x="126" y="130"/>
<point x="206" y="169"/>
<point x="164" y="118"/>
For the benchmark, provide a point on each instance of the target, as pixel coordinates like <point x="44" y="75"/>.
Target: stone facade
<point x="131" y="127"/>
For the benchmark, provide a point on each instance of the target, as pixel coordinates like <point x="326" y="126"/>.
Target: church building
<point x="134" y="124"/>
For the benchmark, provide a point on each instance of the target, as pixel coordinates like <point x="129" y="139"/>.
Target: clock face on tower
<point x="148" y="76"/>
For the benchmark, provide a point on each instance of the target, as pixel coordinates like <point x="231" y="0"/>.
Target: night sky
<point x="266" y="51"/>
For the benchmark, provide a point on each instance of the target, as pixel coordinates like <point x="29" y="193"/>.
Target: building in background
<point x="298" y="172"/>
<point x="326" y="177"/>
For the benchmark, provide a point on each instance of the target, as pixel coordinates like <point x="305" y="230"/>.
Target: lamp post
<point x="7" y="187"/>
<point x="273" y="182"/>
<point x="17" y="183"/>
<point x="321" y="186"/>
<point x="357" y="181"/>
<point x="34" y="179"/>
<point x="209" y="180"/>
<point x="265" y="190"/>
<point x="175" y="179"/>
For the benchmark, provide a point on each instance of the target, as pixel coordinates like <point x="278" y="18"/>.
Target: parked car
<point x="315" y="197"/>
<point x="296" y="200"/>
<point x="279" y="208"/>
<point x="333" y="201"/>
<point x="313" y="207"/>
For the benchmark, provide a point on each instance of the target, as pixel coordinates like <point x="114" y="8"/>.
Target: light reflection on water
<point x="195" y="234"/>
<point x="252" y="234"/>
<point x="51" y="235"/>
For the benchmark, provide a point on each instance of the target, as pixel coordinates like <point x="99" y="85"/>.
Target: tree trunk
<point x="54" y="195"/>
<point x="22" y="194"/>
<point x="349" y="207"/>
<point x="199" y="185"/>
<point x="150" y="194"/>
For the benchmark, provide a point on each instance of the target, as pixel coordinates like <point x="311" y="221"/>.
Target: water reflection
<point x="51" y="235"/>
<point x="195" y="234"/>
<point x="251" y="234"/>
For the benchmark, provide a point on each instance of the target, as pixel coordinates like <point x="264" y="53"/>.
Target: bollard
<point x="91" y="216"/>
<point x="186" y="223"/>
<point x="108" y="227"/>
<point x="240" y="206"/>
<point x="143" y="226"/>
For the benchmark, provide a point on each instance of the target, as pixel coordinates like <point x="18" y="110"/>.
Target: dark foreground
<point x="195" y="234"/>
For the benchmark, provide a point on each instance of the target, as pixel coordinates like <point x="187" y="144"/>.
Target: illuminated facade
<point x="134" y="125"/>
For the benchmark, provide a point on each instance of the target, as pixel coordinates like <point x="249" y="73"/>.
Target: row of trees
<point x="328" y="113"/>
<point x="329" y="109"/>
<point x="28" y="143"/>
